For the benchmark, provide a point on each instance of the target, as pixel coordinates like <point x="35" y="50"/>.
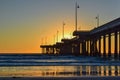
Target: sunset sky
<point x="25" y="24"/>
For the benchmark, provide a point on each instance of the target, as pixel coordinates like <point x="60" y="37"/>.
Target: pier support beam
<point x="47" y="50"/>
<point x="43" y="50"/>
<point x="100" y="46"/>
<point x="109" y="45"/>
<point x="116" y="48"/>
<point x="87" y="48"/>
<point x="119" y="44"/>
<point x="81" y="48"/>
<point x="77" y="49"/>
<point x="84" y="47"/>
<point x="95" y="46"/>
<point x="104" y="46"/>
<point x="53" y="51"/>
<point x="90" y="47"/>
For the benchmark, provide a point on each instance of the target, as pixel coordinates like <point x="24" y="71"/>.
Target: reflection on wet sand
<point x="60" y="71"/>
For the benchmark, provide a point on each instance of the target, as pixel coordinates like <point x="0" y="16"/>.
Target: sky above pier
<point x="25" y="24"/>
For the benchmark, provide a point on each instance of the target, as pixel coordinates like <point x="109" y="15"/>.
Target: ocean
<point x="29" y="65"/>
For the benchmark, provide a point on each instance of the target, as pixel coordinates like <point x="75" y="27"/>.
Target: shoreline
<point x="63" y="78"/>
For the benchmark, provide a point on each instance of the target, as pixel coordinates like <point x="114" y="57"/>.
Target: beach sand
<point x="61" y="78"/>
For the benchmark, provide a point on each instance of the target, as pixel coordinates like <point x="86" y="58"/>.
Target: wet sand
<point x="61" y="78"/>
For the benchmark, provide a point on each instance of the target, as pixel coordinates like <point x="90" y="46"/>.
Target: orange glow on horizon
<point x="25" y="25"/>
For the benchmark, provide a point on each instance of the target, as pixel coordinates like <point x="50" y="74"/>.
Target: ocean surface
<point x="14" y="65"/>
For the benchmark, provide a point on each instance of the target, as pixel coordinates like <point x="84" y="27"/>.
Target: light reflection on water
<point x="59" y="71"/>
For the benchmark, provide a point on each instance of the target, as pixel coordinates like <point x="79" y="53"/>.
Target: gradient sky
<point x="25" y="24"/>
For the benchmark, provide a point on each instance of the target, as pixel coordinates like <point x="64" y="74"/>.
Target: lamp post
<point x="45" y="40"/>
<point x="63" y="29"/>
<point x="97" y="18"/>
<point x="57" y="35"/>
<point x="76" y="7"/>
<point x="54" y="39"/>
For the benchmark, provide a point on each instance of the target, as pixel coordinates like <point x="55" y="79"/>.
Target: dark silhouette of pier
<point x="89" y="43"/>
